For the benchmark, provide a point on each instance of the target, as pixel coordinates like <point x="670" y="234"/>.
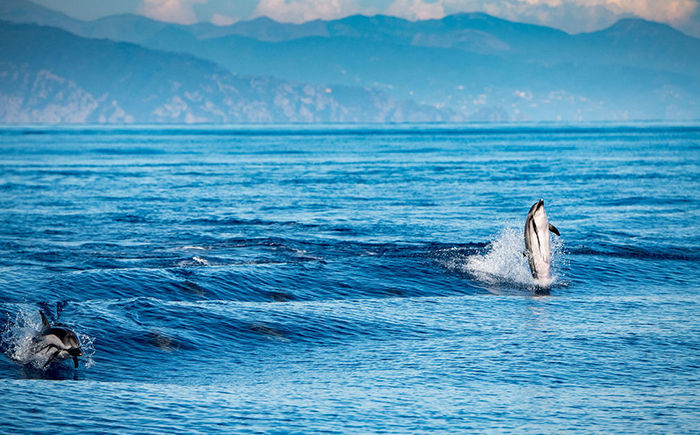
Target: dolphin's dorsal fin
<point x="554" y="229"/>
<point x="44" y="321"/>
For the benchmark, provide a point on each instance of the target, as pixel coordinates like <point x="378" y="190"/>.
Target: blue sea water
<point x="351" y="279"/>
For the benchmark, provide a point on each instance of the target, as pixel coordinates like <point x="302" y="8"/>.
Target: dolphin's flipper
<point x="44" y="321"/>
<point x="52" y="357"/>
<point x="48" y="346"/>
<point x="554" y="229"/>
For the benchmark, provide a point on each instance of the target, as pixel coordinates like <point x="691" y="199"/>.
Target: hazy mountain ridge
<point x="465" y="66"/>
<point x="49" y="75"/>
<point x="629" y="42"/>
<point x="465" y="82"/>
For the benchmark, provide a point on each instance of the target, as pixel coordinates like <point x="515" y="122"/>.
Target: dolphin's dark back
<point x="65" y="335"/>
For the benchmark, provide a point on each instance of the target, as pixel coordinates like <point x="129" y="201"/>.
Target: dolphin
<point x="537" y="249"/>
<point x="57" y="342"/>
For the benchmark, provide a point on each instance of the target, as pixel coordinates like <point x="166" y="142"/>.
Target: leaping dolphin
<point x="57" y="342"/>
<point x="537" y="248"/>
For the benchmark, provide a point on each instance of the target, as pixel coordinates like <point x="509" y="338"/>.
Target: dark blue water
<point x="351" y="279"/>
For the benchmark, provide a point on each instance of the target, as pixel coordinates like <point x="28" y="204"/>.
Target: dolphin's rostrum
<point x="57" y="343"/>
<point x="537" y="246"/>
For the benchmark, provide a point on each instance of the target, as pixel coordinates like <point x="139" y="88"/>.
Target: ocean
<point x="351" y="279"/>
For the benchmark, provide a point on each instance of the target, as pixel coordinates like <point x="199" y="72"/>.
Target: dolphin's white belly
<point x="537" y="244"/>
<point x="47" y="345"/>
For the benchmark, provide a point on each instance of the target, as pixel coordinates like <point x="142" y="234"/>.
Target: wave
<point x="245" y="222"/>
<point x="136" y="332"/>
<point x="273" y="269"/>
<point x="237" y="269"/>
<point x="660" y="252"/>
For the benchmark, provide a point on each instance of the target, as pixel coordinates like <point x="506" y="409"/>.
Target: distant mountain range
<point x="48" y="75"/>
<point x="129" y="68"/>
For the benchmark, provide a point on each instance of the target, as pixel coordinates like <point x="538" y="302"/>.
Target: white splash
<point x="504" y="264"/>
<point x="195" y="261"/>
<point x="19" y="345"/>
<point x="503" y="260"/>
<point x="194" y="248"/>
<point x="18" y="340"/>
<point x="200" y="261"/>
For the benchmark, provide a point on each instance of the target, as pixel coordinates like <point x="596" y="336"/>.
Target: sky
<point x="573" y="16"/>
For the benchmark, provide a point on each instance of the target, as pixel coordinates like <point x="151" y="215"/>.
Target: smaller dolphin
<point x="537" y="248"/>
<point x="57" y="342"/>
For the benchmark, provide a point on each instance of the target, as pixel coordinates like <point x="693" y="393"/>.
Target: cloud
<point x="222" y="20"/>
<point x="655" y="10"/>
<point x="573" y="16"/>
<point x="579" y="15"/>
<point x="173" y="11"/>
<point x="670" y="11"/>
<point x="298" y="11"/>
<point x="416" y="10"/>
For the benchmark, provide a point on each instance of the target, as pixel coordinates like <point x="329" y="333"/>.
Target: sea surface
<point x="351" y="279"/>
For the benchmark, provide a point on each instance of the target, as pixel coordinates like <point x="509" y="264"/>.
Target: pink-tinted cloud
<point x="298" y="11"/>
<point x="667" y="11"/>
<point x="416" y="10"/>
<point x="222" y="20"/>
<point x="174" y="11"/>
